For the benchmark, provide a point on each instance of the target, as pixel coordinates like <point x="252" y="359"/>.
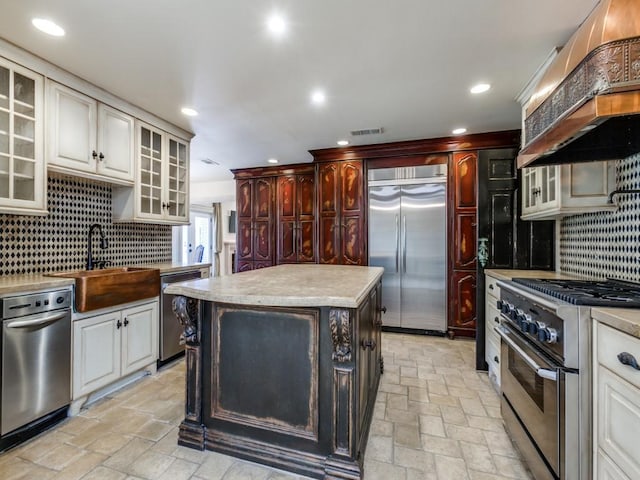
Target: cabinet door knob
<point x="101" y="156"/>
<point x="126" y="322"/>
<point x="496" y="319"/>
<point x="626" y="358"/>
<point x="368" y="344"/>
<point x="94" y="154"/>
<point x="496" y="359"/>
<point x="491" y="286"/>
<point x="118" y="324"/>
<point x="383" y="310"/>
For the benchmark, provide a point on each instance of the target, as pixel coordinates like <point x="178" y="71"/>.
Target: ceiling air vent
<point x="367" y="131"/>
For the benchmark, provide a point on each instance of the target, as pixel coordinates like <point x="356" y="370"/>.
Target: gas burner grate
<point x="602" y="293"/>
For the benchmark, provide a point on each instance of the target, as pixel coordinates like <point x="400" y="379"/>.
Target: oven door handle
<point x="541" y="372"/>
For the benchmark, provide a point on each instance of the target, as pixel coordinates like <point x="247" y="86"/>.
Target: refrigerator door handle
<point x="397" y="243"/>
<point x="404" y="246"/>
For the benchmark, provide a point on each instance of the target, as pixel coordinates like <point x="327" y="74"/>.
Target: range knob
<point x="548" y="335"/>
<point x="505" y="307"/>
<point x="524" y="320"/>
<point x="59" y="300"/>
<point x="534" y="327"/>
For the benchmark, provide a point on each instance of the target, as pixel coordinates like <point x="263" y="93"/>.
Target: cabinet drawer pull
<point x="626" y="358"/>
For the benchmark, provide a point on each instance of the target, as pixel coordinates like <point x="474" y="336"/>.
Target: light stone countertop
<point x="509" y="274"/>
<point x="12" y="284"/>
<point x="175" y="267"/>
<point x="624" y="319"/>
<point x="286" y="286"/>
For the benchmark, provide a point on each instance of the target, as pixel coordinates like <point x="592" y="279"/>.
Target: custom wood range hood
<point x="587" y="105"/>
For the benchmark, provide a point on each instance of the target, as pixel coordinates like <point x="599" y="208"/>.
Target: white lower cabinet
<point x="111" y="345"/>
<point x="492" y="339"/>
<point x="617" y="405"/>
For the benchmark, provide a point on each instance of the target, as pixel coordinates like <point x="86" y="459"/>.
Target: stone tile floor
<point x="435" y="418"/>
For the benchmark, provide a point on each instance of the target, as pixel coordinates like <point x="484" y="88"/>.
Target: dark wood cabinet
<point x="342" y="213"/>
<point x="295" y="224"/>
<point x="369" y="354"/>
<point x="255" y="207"/>
<point x="463" y="245"/>
<point x="512" y="243"/>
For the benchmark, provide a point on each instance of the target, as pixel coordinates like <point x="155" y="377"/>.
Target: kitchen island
<point x="283" y="365"/>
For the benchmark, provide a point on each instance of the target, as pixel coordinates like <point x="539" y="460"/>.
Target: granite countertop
<point x="624" y="319"/>
<point x="175" y="267"/>
<point x="286" y="286"/>
<point x="509" y="274"/>
<point x="12" y="284"/>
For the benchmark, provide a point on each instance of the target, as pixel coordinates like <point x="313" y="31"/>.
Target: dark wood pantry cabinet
<point x="255" y="207"/>
<point x="342" y="204"/>
<point x="295" y="222"/>
<point x="463" y="250"/>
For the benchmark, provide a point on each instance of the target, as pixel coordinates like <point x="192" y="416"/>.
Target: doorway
<point x="187" y="238"/>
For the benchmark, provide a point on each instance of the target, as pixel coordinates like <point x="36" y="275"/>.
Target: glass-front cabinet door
<point x="178" y="178"/>
<point x="150" y="144"/>
<point x="22" y="179"/>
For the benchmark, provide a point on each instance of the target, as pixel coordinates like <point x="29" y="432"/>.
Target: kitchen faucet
<point x="103" y="243"/>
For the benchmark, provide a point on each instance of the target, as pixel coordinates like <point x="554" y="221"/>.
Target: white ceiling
<point x="405" y="65"/>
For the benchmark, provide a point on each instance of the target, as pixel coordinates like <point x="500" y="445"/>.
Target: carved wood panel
<point x="244" y="198"/>
<point x="462" y="312"/>
<point x="465" y="165"/>
<point x="352" y="241"/>
<point x="328" y="188"/>
<point x="352" y="188"/>
<point x="306" y="243"/>
<point x="262" y="241"/>
<point x="465" y="243"/>
<point x="329" y="240"/>
<point x="244" y="240"/>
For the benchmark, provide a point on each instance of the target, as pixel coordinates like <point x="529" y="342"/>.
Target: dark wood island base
<point x="290" y="386"/>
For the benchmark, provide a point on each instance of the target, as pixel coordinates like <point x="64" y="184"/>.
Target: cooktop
<point x="602" y="293"/>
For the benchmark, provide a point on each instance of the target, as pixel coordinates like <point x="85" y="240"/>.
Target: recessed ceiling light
<point x="189" y="112"/>
<point x="277" y="24"/>
<point x="343" y="143"/>
<point x="48" y="27"/>
<point x="318" y="97"/>
<point x="459" y="131"/>
<point x="480" y="88"/>
<point x="272" y="160"/>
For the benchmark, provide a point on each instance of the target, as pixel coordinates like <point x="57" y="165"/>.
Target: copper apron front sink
<point x="112" y="286"/>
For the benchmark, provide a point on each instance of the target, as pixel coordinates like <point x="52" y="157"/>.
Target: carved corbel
<point x="340" y="326"/>
<point x="186" y="310"/>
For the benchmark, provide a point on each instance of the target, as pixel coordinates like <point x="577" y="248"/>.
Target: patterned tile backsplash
<point x="58" y="241"/>
<point x="606" y="244"/>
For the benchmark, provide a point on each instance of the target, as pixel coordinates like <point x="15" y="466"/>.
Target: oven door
<point x="532" y="388"/>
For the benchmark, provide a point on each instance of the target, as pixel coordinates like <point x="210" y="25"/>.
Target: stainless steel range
<point x="546" y="368"/>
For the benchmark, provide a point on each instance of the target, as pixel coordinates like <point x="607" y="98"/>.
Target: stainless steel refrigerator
<point x="407" y="236"/>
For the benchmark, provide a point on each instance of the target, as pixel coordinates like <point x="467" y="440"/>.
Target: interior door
<point x="423" y="256"/>
<point x="384" y="243"/>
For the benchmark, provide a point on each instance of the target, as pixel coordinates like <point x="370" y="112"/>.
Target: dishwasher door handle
<point x="36" y="322"/>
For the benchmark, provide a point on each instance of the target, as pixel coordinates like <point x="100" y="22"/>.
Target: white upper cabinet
<point x="161" y="192"/>
<point x="554" y="191"/>
<point x="22" y="169"/>
<point x="88" y="138"/>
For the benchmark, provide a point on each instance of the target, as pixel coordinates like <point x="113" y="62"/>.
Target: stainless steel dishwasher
<point x="170" y="329"/>
<point x="36" y="361"/>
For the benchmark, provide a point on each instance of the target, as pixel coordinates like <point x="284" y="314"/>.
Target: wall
<point x="606" y="244"/>
<point x="58" y="241"/>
